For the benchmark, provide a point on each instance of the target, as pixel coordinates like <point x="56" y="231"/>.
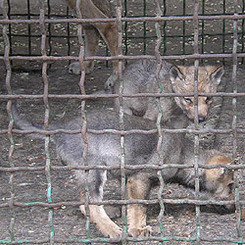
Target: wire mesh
<point x="161" y="21"/>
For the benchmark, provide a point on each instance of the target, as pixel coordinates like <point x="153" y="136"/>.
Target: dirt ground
<point x="69" y="224"/>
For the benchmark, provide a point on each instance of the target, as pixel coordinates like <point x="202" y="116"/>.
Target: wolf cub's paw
<point x="75" y="68"/>
<point x="205" y="138"/>
<point x="110" y="82"/>
<point x="140" y="231"/>
<point x="115" y="233"/>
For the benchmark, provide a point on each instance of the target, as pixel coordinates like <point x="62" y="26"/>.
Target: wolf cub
<point x="139" y="77"/>
<point x="105" y="149"/>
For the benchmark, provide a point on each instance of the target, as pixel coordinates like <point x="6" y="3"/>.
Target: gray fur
<point x="139" y="77"/>
<point x="104" y="149"/>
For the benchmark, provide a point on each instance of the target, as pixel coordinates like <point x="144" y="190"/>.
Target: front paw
<point x="140" y="231"/>
<point x="115" y="233"/>
<point x="75" y="67"/>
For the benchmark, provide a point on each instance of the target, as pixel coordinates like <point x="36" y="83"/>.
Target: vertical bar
<point x="144" y="27"/>
<point x="7" y="48"/>
<point x="196" y="138"/>
<point x="223" y="32"/>
<point x="10" y="29"/>
<point x="126" y="27"/>
<point x="203" y="22"/>
<point x="121" y="120"/>
<point x="234" y="119"/>
<point x="68" y="39"/>
<point x="46" y="117"/>
<point x="49" y="30"/>
<point x="160" y="114"/>
<point x="183" y="44"/>
<point x="83" y="114"/>
<point x="164" y="28"/>
<point x="243" y="29"/>
<point x="29" y="28"/>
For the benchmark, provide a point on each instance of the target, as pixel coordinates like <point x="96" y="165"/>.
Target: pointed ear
<point x="225" y="172"/>
<point x="176" y="73"/>
<point x="216" y="73"/>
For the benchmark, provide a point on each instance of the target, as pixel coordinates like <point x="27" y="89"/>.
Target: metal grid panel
<point x="59" y="30"/>
<point x="46" y="96"/>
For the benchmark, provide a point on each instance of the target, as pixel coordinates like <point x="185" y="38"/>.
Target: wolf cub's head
<point x="220" y="181"/>
<point x="182" y="79"/>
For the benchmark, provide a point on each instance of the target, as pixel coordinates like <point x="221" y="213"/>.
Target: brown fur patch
<point x="204" y="81"/>
<point x="221" y="179"/>
<point x="138" y="188"/>
<point x="215" y="173"/>
<point x="108" y="31"/>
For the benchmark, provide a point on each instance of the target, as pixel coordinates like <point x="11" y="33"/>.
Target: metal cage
<point x="40" y="37"/>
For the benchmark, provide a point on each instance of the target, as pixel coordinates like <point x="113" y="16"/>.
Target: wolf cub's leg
<point x="92" y="37"/>
<point x="98" y="216"/>
<point x="102" y="221"/>
<point x="138" y="188"/>
<point x="109" y="33"/>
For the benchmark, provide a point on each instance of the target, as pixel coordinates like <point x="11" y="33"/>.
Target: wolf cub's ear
<point x="216" y="73"/>
<point x="223" y="172"/>
<point x="175" y="73"/>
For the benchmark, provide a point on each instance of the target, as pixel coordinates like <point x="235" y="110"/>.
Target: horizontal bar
<point x="118" y="202"/>
<point x="118" y="167"/>
<point x="126" y="19"/>
<point x="123" y="57"/>
<point x="72" y="16"/>
<point x="114" y="96"/>
<point x="119" y="240"/>
<point x="126" y="132"/>
<point x="133" y="37"/>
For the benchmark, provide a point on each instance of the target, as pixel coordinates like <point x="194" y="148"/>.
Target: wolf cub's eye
<point x="208" y="99"/>
<point x="188" y="100"/>
<point x="231" y="186"/>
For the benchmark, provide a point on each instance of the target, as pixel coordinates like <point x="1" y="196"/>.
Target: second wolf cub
<point x="105" y="150"/>
<point x="139" y="77"/>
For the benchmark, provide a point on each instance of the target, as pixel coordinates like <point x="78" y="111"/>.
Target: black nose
<point x="201" y="119"/>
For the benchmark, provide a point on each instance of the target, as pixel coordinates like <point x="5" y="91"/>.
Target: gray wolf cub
<point x="105" y="149"/>
<point x="139" y="77"/>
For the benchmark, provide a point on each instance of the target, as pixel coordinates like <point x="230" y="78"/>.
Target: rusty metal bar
<point x="113" y="96"/>
<point x="130" y="239"/>
<point x="234" y="122"/>
<point x="119" y="202"/>
<point x="196" y="137"/>
<point x="124" y="57"/>
<point x="159" y="118"/>
<point x="29" y="28"/>
<point x="7" y="50"/>
<point x="46" y="118"/>
<point x="83" y="119"/>
<point x="118" y="132"/>
<point x="135" y="167"/>
<point x="128" y="19"/>
<point x="121" y="121"/>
